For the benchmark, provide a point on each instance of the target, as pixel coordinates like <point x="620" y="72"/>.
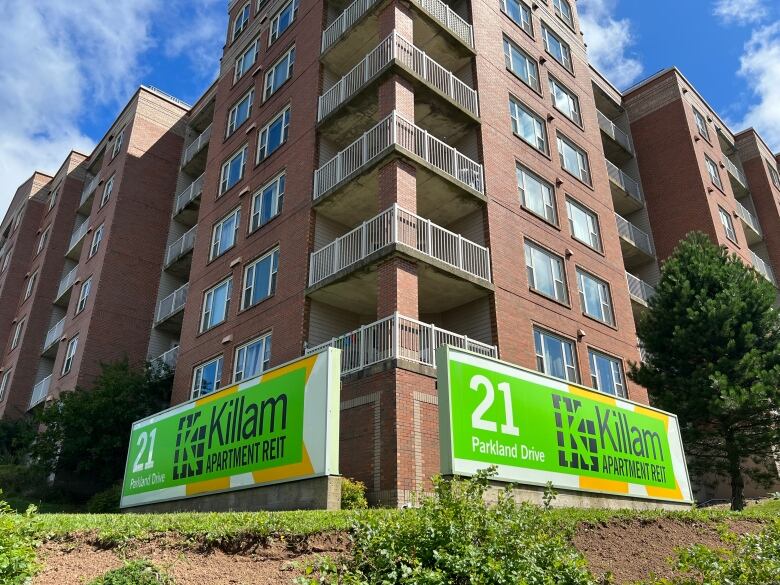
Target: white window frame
<point x="241" y="20"/>
<point x="543" y="359"/>
<point x="247" y="291"/>
<point x="197" y="376"/>
<point x="773" y="174"/>
<point x="607" y="312"/>
<point x="224" y="179"/>
<point x="519" y="113"/>
<point x="207" y="310"/>
<point x="70" y="353"/>
<point x="713" y="172"/>
<point x="574" y="112"/>
<point x="262" y="138"/>
<point x="566" y="15"/>
<point x="107" y="190"/>
<point x="218" y="230"/>
<point x="583" y="160"/>
<point x="274" y="32"/>
<point x="17" y="336"/>
<point x="728" y="224"/>
<point x="276" y="186"/>
<point x="701" y="123"/>
<point x="30" y="285"/>
<point x="565" y="60"/>
<point x="53" y="197"/>
<point x="86" y="289"/>
<point x="593" y="228"/>
<point x="42" y="240"/>
<point x="527" y="201"/>
<point x="521" y="65"/>
<point x="239" y="360"/>
<point x="618" y="390"/>
<point x="233" y="122"/>
<point x="553" y="261"/>
<point x="285" y="62"/>
<point x="241" y="66"/>
<point x="6" y="261"/>
<point x="524" y="21"/>
<point x="120" y="138"/>
<point x="97" y="238"/>
<point x="4" y="384"/>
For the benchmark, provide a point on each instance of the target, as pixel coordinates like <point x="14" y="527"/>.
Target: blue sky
<point x="68" y="69"/>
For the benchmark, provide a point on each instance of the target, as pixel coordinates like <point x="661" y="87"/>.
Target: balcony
<point x="643" y="355"/>
<point x="640" y="291"/>
<point x="76" y="241"/>
<point x="166" y="361"/>
<point x="40" y="392"/>
<point x="626" y="192"/>
<point x="52" y="338"/>
<point x="66" y="284"/>
<point x="619" y="146"/>
<point x="446" y="176"/>
<point x="177" y="257"/>
<point x="193" y="160"/>
<point x="187" y="202"/>
<point x="762" y="267"/>
<point x="400" y="338"/>
<point x="433" y="82"/>
<point x="637" y="246"/>
<point x="170" y="308"/>
<point x="86" y="195"/>
<point x="738" y="179"/>
<point x="750" y="223"/>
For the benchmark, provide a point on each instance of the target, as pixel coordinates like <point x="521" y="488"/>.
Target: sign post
<point x="536" y="429"/>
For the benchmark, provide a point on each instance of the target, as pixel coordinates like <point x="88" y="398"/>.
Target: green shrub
<point x="23" y="481"/>
<point x="353" y="495"/>
<point x="17" y="545"/>
<point x="105" y="502"/>
<point x="454" y="537"/>
<point x="135" y="573"/>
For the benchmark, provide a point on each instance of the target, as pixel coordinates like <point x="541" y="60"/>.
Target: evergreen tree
<point x="713" y="341"/>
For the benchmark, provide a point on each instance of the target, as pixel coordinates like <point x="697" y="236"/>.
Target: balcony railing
<point x="625" y="182"/>
<point x="398" y="226"/>
<point x="397" y="48"/>
<point x="197" y="145"/>
<point x="67" y="282"/>
<point x="397" y="337"/>
<point x="643" y="355"/>
<point x="762" y="267"/>
<point x="89" y="188"/>
<point x="181" y="246"/>
<point x="633" y="234"/>
<point x="639" y="289"/>
<point x="437" y="9"/>
<point x="54" y="334"/>
<point x="396" y="131"/>
<point x="611" y="130"/>
<point x="78" y="235"/>
<point x="172" y="304"/>
<point x="40" y="392"/>
<point x="745" y="215"/>
<point x="166" y="360"/>
<point x="735" y="172"/>
<point x="191" y="193"/>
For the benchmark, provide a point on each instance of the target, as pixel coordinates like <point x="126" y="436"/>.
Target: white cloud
<point x="609" y="41"/>
<point x="760" y="68"/>
<point x="740" y="12"/>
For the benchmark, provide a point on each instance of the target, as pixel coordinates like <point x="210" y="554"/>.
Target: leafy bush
<point x="135" y="573"/>
<point x="353" y="495"/>
<point x="16" y="440"/>
<point x="455" y="538"/>
<point x="17" y="545"/>
<point x="23" y="481"/>
<point x="105" y="502"/>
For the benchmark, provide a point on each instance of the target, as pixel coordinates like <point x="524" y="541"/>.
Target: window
<point x="17" y="334"/>
<point x="107" y="191"/>
<point x="246" y="60"/>
<point x="223" y="236"/>
<point x="536" y="194"/>
<point x="565" y="101"/>
<point x="206" y="378"/>
<point x="242" y="19"/>
<point x="252" y="358"/>
<point x="528" y="125"/>
<point x="260" y="279"/>
<point x="240" y="112"/>
<point x="519" y="63"/>
<point x="42" y="240"/>
<point x="584" y="224"/>
<point x="728" y="225"/>
<point x="773" y="174"/>
<point x="70" y="353"/>
<point x="545" y="273"/>
<point x="4" y="383"/>
<point x="84" y="295"/>
<point x="233" y="170"/>
<point x="6" y="261"/>
<point x="216" y="304"/>
<point x="18" y="219"/>
<point x="555" y="356"/>
<point x="712" y="171"/>
<point x="574" y="159"/>
<point x="280" y="72"/>
<point x="282" y="21"/>
<point x="97" y="237"/>
<point x="595" y="297"/>
<point x="120" y="138"/>
<point x="267" y="202"/>
<point x="30" y="285"/>
<point x="53" y="197"/>
<point x="701" y="124"/>
<point x="557" y="49"/>
<point x="606" y="374"/>
<point x="273" y="135"/>
<point x="520" y="13"/>
<point x="563" y="10"/>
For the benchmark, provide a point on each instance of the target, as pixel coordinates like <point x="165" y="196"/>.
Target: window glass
<point x="281" y="71"/>
<point x="70" y="353"/>
<point x="565" y="101"/>
<point x="252" y="359"/>
<point x="701" y="124"/>
<point x="207" y="378"/>
<point x="563" y="10"/>
<point x="223" y="236"/>
<point x="107" y="191"/>
<point x="246" y="60"/>
<point x="260" y="279"/>
<point x="555" y="356"/>
<point x="606" y="374"/>
<point x="216" y="304"/>
<point x="240" y="112"/>
<point x="584" y="224"/>
<point x="519" y="63"/>
<point x="283" y="19"/>
<point x="545" y="273"/>
<point x="595" y="297"/>
<point x="520" y="13"/>
<point x="84" y="295"/>
<point x="273" y="135"/>
<point x="536" y="194"/>
<point x="728" y="225"/>
<point x="267" y="202"/>
<point x="712" y="171"/>
<point x="528" y="125"/>
<point x="233" y="170"/>
<point x="97" y="237"/>
<point x="558" y="49"/>
<point x="242" y="18"/>
<point x="574" y="159"/>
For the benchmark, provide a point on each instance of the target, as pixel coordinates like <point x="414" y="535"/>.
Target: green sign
<point x="536" y="429"/>
<point x="281" y="426"/>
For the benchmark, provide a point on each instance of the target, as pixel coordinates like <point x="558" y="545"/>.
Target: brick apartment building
<point x="383" y="177"/>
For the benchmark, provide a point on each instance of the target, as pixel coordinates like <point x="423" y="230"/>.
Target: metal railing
<point x="639" y="289"/>
<point x="89" y="188"/>
<point x="762" y="267"/>
<point x="396" y="225"/>
<point x="191" y="193"/>
<point x="625" y="182"/>
<point x="40" y="392"/>
<point x="170" y="97"/>
<point x="397" y="337"/>
<point x="396" y="131"/>
<point x="196" y="146"/>
<point x="78" y="234"/>
<point x="54" y="334"/>
<point x="437" y="9"/>
<point x="67" y="282"/>
<point x="397" y="48"/>
<point x="745" y="215"/>
<point x="735" y="171"/>
<point x="168" y="359"/>
<point x="614" y="132"/>
<point x="643" y="355"/>
<point x="172" y="304"/>
<point x="181" y="246"/>
<point x="633" y="234"/>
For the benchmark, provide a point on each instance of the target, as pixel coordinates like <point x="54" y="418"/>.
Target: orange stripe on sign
<point x="653" y="414"/>
<point x="597" y="396"/>
<point x="674" y="493"/>
<point x="301" y="469"/>
<point x="217" y="395"/>
<point x="307" y="363"/>
<point x="603" y="485"/>
<point x="211" y="485"/>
